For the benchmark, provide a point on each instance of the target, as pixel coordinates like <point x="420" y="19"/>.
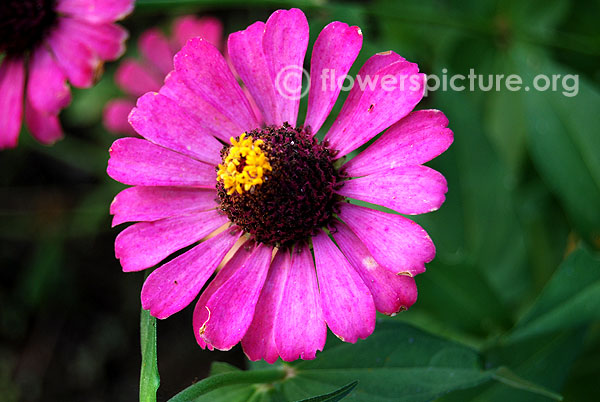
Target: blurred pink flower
<point x="136" y="77"/>
<point x="309" y="259"/>
<point x="47" y="43"/>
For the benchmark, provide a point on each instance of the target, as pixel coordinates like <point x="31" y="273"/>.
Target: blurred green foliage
<point x="516" y="280"/>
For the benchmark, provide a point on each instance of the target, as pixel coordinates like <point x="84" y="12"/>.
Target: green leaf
<point x="226" y="379"/>
<point x="546" y="232"/>
<point x="570" y="299"/>
<point x="563" y="138"/>
<point x="583" y="377"/>
<point x="396" y="357"/>
<point x="397" y="363"/>
<point x="334" y="396"/>
<point x="505" y="123"/>
<point x="149" y="378"/>
<point x="550" y="336"/>
<point x="475" y="308"/>
<point x="544" y="360"/>
<point x="227" y="394"/>
<point x="509" y="378"/>
<point x="237" y="392"/>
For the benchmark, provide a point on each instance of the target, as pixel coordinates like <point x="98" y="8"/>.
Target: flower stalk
<point x="149" y="378"/>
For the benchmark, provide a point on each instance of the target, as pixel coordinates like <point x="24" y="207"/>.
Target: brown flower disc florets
<point x="297" y="196"/>
<point x="24" y="23"/>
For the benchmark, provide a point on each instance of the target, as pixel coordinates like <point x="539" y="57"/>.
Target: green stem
<point x="225" y="379"/>
<point x="149" y="378"/>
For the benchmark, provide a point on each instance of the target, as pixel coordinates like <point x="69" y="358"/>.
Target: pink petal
<point x="204" y="70"/>
<point x="247" y="56"/>
<point x="153" y="203"/>
<point x="12" y="81"/>
<point x="107" y="40"/>
<point x="139" y="162"/>
<point x="212" y="119"/>
<point x="172" y="286"/>
<point x="393" y="92"/>
<point x="336" y="48"/>
<point x="189" y="27"/>
<point x="45" y="127"/>
<point x="115" y="115"/>
<point x="145" y="244"/>
<point x="300" y="328"/>
<point x="397" y="243"/>
<point x="77" y="61"/>
<point x="405" y="189"/>
<point x="369" y="69"/>
<point x="253" y="105"/>
<point x="156" y="49"/>
<point x="96" y="10"/>
<point x="231" y="307"/>
<point x="284" y="43"/>
<point x="391" y="293"/>
<point x="201" y="314"/>
<point x="414" y="140"/>
<point x="159" y="119"/>
<point x="258" y="343"/>
<point x="371" y="66"/>
<point x="136" y="79"/>
<point x="346" y="301"/>
<point x="47" y="88"/>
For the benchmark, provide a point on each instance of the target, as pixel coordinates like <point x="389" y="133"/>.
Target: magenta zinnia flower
<point x="136" y="77"/>
<point x="47" y="43"/>
<point x="209" y="174"/>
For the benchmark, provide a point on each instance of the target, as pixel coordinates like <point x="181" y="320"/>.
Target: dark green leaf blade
<point x="397" y="363"/>
<point x="509" y="378"/>
<point x="227" y="379"/>
<point x="544" y="360"/>
<point x="334" y="396"/>
<point x="571" y="298"/>
<point x="563" y="126"/>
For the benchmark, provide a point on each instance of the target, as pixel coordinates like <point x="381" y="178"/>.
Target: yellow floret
<point x="247" y="152"/>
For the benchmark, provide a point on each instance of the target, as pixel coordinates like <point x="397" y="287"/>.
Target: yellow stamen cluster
<point x="244" y="152"/>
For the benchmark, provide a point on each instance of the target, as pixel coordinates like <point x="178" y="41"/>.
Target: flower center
<point x="244" y="166"/>
<point x="24" y="23"/>
<point x="278" y="184"/>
